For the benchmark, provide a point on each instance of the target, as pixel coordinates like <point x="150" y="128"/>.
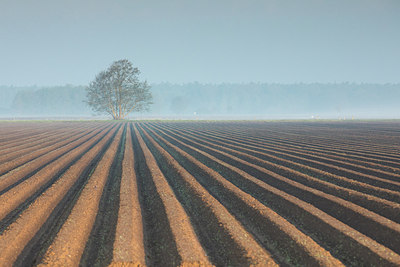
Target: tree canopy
<point x="117" y="91"/>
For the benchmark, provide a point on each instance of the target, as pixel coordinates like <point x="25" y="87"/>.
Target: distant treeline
<point x="48" y="101"/>
<point x="196" y="99"/>
<point x="277" y="100"/>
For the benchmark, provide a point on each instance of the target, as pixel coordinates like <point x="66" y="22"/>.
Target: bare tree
<point x="117" y="91"/>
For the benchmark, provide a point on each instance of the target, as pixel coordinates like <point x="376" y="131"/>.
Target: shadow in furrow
<point x="41" y="167"/>
<point x="12" y="216"/>
<point x="221" y="249"/>
<point x="99" y="247"/>
<point x="159" y="242"/>
<point x="34" y="251"/>
<point x="347" y="250"/>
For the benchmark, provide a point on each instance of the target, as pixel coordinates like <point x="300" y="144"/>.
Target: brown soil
<point x="200" y="193"/>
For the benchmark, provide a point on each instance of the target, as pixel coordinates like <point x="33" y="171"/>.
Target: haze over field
<point x="52" y="43"/>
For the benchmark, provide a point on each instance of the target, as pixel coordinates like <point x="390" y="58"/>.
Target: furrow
<point x="271" y="230"/>
<point x="188" y="246"/>
<point x="28" y="225"/>
<point x="19" y="145"/>
<point x="16" y="195"/>
<point x="338" y="170"/>
<point x="383" y="207"/>
<point x="128" y="245"/>
<point x="355" y="216"/>
<point x="226" y="241"/>
<point x="23" y="172"/>
<point x="49" y="142"/>
<point x="268" y="141"/>
<point x="319" y="174"/>
<point x="99" y="247"/>
<point x="200" y="193"/>
<point x="326" y="225"/>
<point x="69" y="244"/>
<point x="36" y="134"/>
<point x="311" y="141"/>
<point x="31" y="133"/>
<point x="320" y="159"/>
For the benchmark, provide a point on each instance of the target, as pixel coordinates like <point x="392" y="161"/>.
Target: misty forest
<point x="226" y="101"/>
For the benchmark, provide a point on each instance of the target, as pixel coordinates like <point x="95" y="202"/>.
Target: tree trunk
<point x="117" y="117"/>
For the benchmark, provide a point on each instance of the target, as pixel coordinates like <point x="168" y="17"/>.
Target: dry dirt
<point x="200" y="193"/>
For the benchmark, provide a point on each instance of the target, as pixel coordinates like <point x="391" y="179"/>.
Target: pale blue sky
<point x="52" y="42"/>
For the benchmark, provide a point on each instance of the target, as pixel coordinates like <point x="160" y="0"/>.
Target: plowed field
<point x="200" y="193"/>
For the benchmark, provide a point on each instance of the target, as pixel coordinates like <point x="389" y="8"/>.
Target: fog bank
<point x="218" y="101"/>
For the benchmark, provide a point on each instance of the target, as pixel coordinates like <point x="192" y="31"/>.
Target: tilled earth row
<point x="200" y="194"/>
